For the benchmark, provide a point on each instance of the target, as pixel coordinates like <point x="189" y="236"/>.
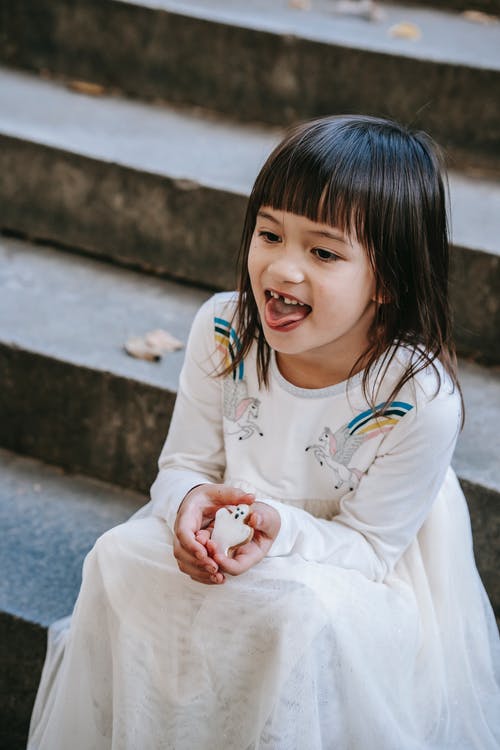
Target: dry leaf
<point x="405" y="30"/>
<point x="300" y="4"/>
<point x="86" y="87"/>
<point x="163" y="340"/>
<point x="477" y="16"/>
<point x="152" y="345"/>
<point x="361" y="8"/>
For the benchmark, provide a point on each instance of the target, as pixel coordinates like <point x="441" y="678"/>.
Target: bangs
<point x="324" y="177"/>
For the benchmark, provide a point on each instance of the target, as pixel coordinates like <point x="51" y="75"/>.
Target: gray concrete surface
<point x="266" y="62"/>
<point x="49" y="521"/>
<point x="477" y="456"/>
<point x="70" y="394"/>
<point x="165" y="190"/>
<point x="485" y="6"/>
<point x="164" y="140"/>
<point x="462" y="44"/>
<point x="83" y="311"/>
<point x="192" y="146"/>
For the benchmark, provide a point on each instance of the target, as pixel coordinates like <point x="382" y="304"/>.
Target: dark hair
<point x="382" y="184"/>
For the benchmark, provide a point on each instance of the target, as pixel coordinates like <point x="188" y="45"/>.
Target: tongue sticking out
<point x="281" y="313"/>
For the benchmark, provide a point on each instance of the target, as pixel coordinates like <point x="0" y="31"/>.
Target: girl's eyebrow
<point x="320" y="232"/>
<point x="264" y="215"/>
<point x="330" y="235"/>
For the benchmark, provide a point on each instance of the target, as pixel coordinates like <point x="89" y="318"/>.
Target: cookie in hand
<point x="231" y="529"/>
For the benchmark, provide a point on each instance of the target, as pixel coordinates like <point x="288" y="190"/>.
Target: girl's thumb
<point x="256" y="520"/>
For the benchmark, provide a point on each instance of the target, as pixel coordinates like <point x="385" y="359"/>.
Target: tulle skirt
<point x="292" y="655"/>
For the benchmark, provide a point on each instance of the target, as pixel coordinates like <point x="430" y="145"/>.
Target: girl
<point x="324" y="395"/>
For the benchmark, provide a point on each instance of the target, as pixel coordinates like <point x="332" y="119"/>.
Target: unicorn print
<point x="241" y="409"/>
<point x="336" y="449"/>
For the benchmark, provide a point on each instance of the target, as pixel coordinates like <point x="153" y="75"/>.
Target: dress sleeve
<point x="378" y="521"/>
<point x="193" y="452"/>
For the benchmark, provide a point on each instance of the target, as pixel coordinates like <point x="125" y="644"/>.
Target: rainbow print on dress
<point x="369" y="425"/>
<point x="228" y="344"/>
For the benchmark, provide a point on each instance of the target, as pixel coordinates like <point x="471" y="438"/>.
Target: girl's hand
<point x="195" y="513"/>
<point x="266" y="523"/>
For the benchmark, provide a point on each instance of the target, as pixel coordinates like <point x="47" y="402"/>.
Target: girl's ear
<point x="381" y="297"/>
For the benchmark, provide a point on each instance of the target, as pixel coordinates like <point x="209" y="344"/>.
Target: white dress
<point x="365" y="628"/>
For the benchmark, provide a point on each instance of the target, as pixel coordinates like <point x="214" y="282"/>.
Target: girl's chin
<point x="286" y="345"/>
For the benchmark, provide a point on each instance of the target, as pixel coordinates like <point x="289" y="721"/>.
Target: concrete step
<point x="72" y="397"/>
<point x="489" y="7"/>
<point x="70" y="394"/>
<point x="269" y="62"/>
<point x="165" y="190"/>
<point x="49" y="522"/>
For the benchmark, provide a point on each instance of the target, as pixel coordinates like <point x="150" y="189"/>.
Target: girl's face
<point x="315" y="293"/>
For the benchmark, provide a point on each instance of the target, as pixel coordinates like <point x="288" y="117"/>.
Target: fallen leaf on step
<point x="87" y="87"/>
<point x="368" y="9"/>
<point x="153" y="345"/>
<point x="300" y="4"/>
<point x="477" y="16"/>
<point x="405" y="30"/>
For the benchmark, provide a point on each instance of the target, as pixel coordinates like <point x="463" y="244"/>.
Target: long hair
<point x="383" y="184"/>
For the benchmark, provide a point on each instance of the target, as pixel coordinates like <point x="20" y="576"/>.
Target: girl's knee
<point x="110" y="545"/>
<point x="132" y="538"/>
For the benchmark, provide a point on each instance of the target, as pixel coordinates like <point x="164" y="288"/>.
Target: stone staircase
<point x="121" y="211"/>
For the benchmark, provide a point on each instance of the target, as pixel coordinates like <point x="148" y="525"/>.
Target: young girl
<point x="324" y="395"/>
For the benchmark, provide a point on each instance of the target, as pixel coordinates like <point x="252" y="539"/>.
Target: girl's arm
<point x="193" y="453"/>
<point x="379" y="520"/>
<point x="188" y="491"/>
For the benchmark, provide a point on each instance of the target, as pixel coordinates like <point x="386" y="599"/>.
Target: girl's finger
<point x="256" y="521"/>
<point x="202" y="536"/>
<point x="204" y="574"/>
<point x="222" y="494"/>
<point x="185" y="528"/>
<point x="184" y="556"/>
<point x="188" y="542"/>
<point x="246" y="557"/>
<point x="266" y="521"/>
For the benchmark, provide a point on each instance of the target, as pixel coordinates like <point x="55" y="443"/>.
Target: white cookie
<point x="230" y="528"/>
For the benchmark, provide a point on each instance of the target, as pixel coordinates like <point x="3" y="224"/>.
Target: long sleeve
<point x="378" y="521"/>
<point x="193" y="452"/>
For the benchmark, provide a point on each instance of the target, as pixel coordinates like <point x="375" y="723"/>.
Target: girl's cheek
<point x="253" y="264"/>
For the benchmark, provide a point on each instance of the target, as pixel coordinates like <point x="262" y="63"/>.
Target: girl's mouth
<point x="283" y="312"/>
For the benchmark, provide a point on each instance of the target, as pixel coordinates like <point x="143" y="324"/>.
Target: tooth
<point x="287" y="300"/>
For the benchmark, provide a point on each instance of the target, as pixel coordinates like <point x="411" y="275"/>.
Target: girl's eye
<point x="269" y="236"/>
<point x="325" y="255"/>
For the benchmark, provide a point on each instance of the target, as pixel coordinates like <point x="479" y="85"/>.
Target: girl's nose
<point x="287" y="268"/>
